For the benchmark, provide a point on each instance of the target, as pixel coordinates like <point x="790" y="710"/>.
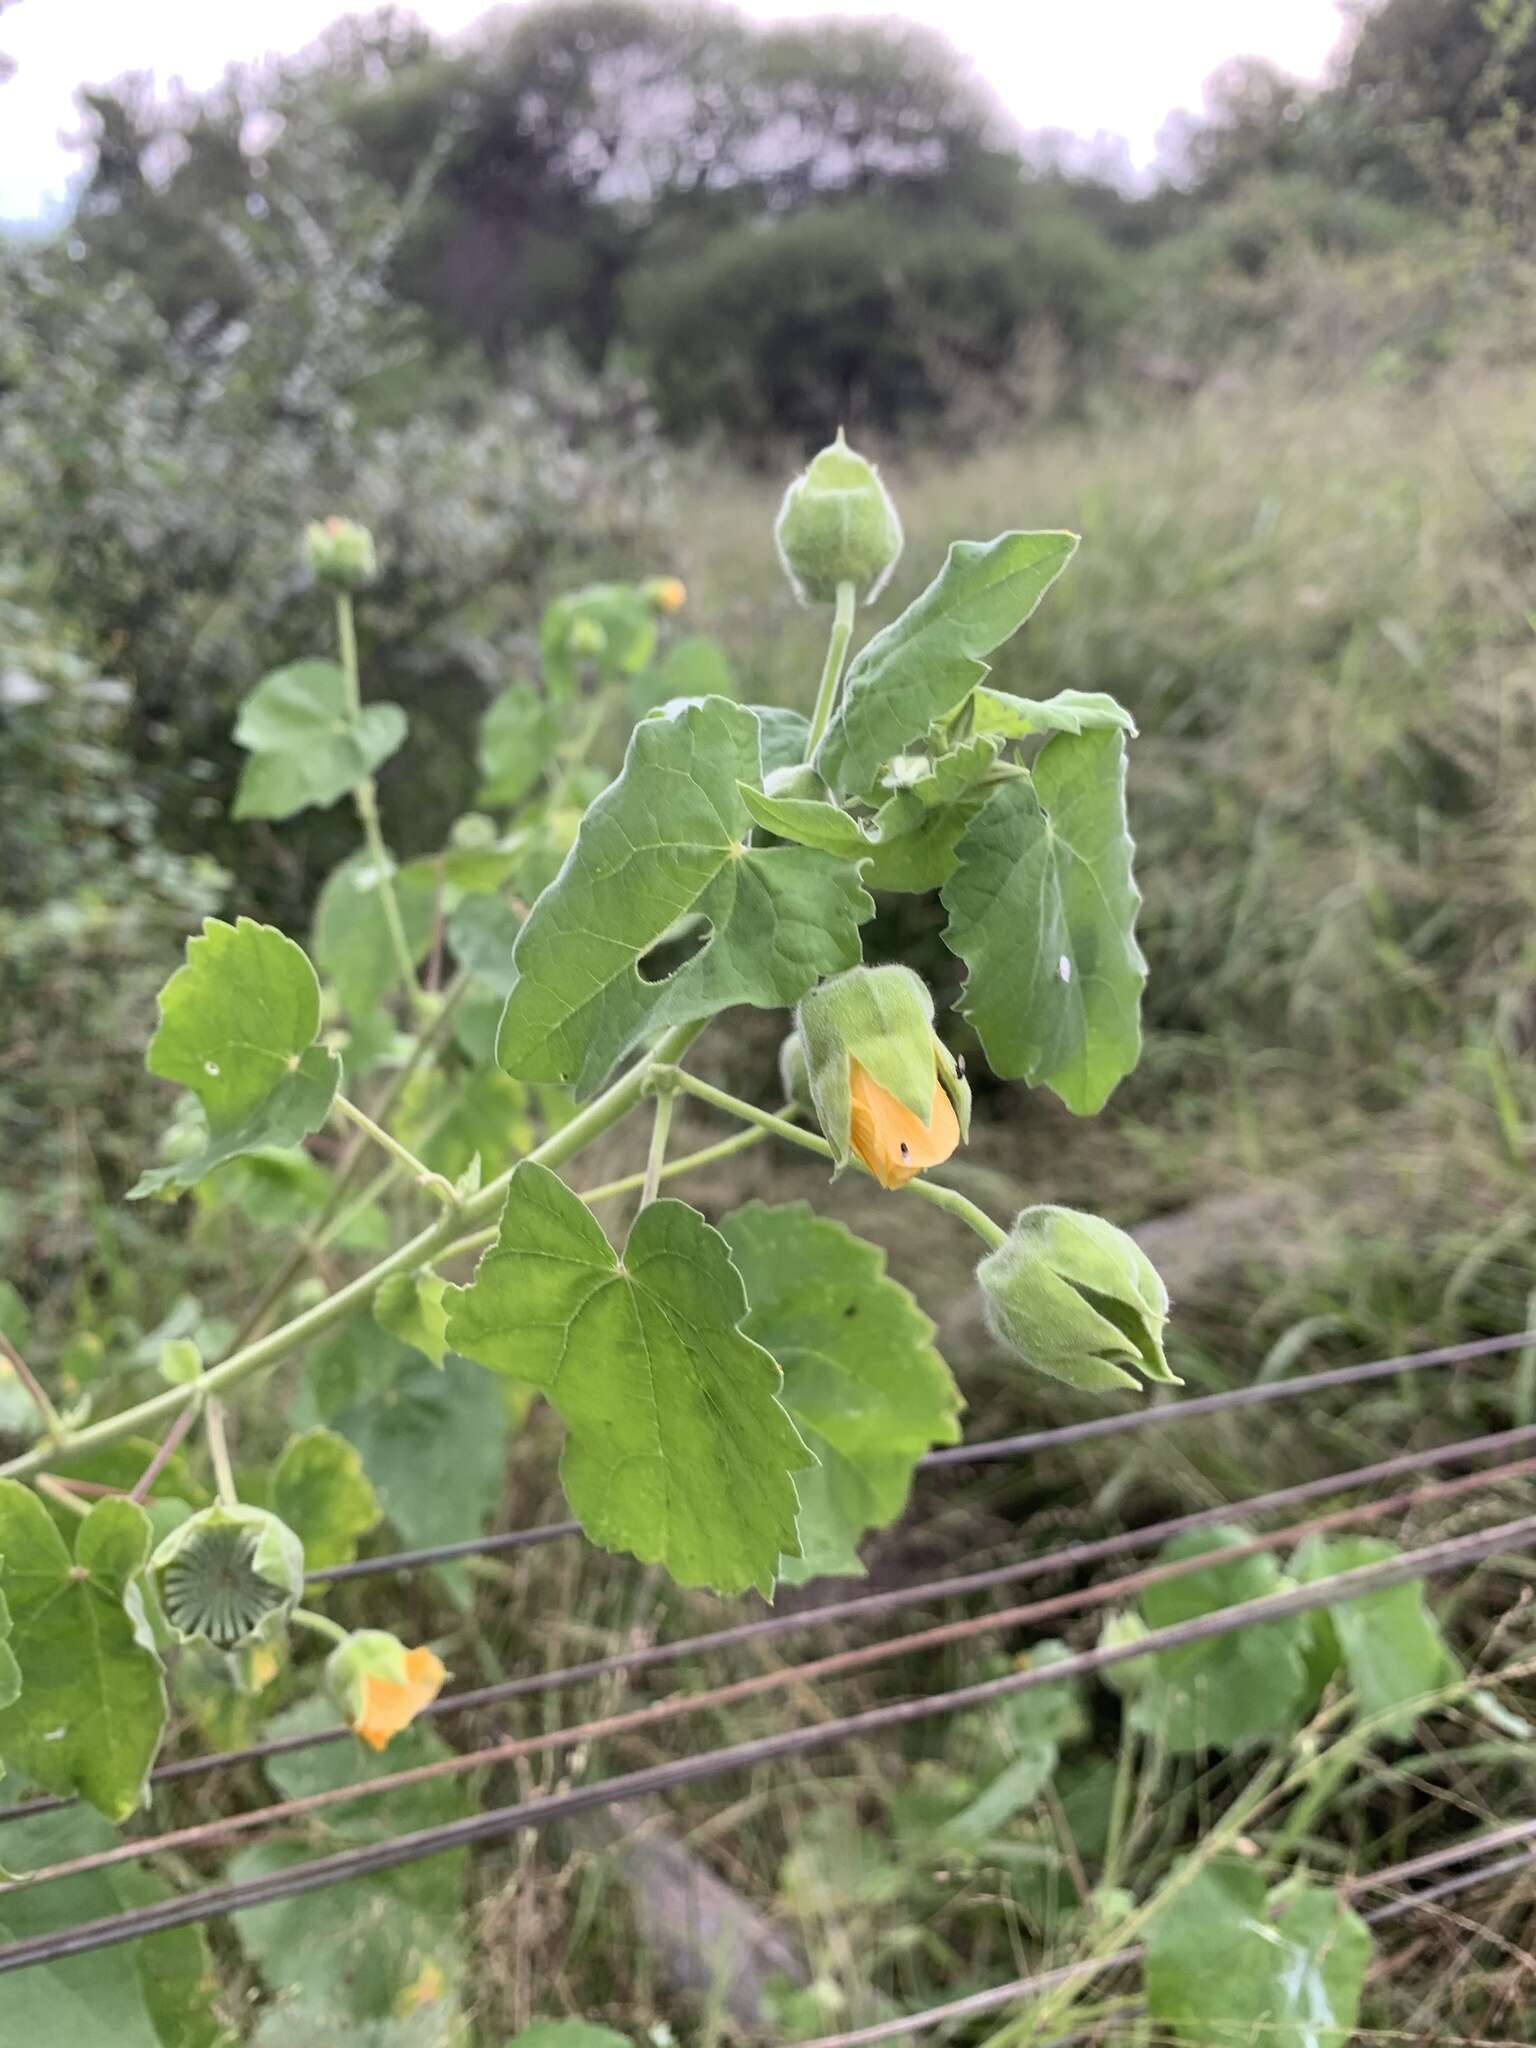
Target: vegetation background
<point x="568" y="299"/>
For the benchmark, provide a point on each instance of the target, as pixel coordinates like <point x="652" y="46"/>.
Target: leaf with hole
<point x="862" y="1380"/>
<point x="925" y="664"/>
<point x="666" y="843"/>
<point x="90" y="1710"/>
<point x="677" y="1446"/>
<point x="1228" y="1964"/>
<point x="237" y="1026"/>
<point x="308" y="744"/>
<point x="1042" y="909"/>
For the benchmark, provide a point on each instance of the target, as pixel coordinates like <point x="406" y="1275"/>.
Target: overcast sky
<point x="1113" y="66"/>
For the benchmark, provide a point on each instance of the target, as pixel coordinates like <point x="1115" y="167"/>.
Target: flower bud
<point x="794" y="1075"/>
<point x="883" y="1084"/>
<point x="380" y="1685"/>
<point x="586" y="636"/>
<point x="837" y="525"/>
<point x="341" y="553"/>
<point x="667" y="593"/>
<point x="228" y="1577"/>
<point x="1076" y="1298"/>
<point x="1119" y="1629"/>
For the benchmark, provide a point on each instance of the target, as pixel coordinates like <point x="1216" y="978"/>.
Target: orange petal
<point x="891" y="1141"/>
<point x="391" y="1704"/>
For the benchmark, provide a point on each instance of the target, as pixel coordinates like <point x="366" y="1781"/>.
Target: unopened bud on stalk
<point x="884" y="1085"/>
<point x="837" y="525"/>
<point x="341" y="553"/>
<point x="229" y="1576"/>
<point x="1076" y="1298"/>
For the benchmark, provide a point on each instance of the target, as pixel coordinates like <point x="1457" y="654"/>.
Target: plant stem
<point x="727" y="1148"/>
<point x="600" y="1115"/>
<point x="832" y="669"/>
<point x="657" y="1156"/>
<point x="949" y="1199"/>
<point x="65" y="1495"/>
<point x="424" y="1176"/>
<point x="218" y="1450"/>
<point x="366" y="800"/>
<point x="53" y="1422"/>
<point x="319" y="1624"/>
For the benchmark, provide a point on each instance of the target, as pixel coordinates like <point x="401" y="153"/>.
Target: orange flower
<point x="669" y="593"/>
<point x="891" y="1141"/>
<point x="391" y="1704"/>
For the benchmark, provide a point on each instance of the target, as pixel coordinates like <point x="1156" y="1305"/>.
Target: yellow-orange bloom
<point x="669" y="593"/>
<point x="891" y="1141"/>
<point x="391" y="1704"/>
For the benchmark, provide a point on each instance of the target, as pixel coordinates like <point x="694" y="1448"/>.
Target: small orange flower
<point x="392" y="1704"/>
<point x="891" y="1141"/>
<point x="670" y="593"/>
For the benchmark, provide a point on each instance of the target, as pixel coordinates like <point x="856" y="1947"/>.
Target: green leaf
<point x="677" y="1448"/>
<point x="154" y="1993"/>
<point x="483" y="932"/>
<point x="916" y="849"/>
<point x="319" y="1488"/>
<point x="1042" y="910"/>
<point x="433" y="1441"/>
<point x="1227" y="1965"/>
<point x="694" y="666"/>
<point x="783" y="735"/>
<point x="665" y="843"/>
<point x="91" y="1708"/>
<point x="362" y="1955"/>
<point x="517" y="743"/>
<point x="1016" y="718"/>
<point x="410" y="1307"/>
<point x="350" y="934"/>
<point x="926" y="663"/>
<point x="237" y="1027"/>
<point x="307" y="746"/>
<point x="1389" y="1642"/>
<point x="862" y="1380"/>
<point x="568" y="2034"/>
<point x="807" y="822"/>
<point x="1228" y="1691"/>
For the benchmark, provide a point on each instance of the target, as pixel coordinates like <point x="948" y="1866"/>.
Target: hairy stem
<point x="218" y="1450"/>
<point x="832" y="670"/>
<point x="319" y="1624"/>
<point x="423" y="1175"/>
<point x="53" y="1422"/>
<point x="656" y="1158"/>
<point x="366" y="800"/>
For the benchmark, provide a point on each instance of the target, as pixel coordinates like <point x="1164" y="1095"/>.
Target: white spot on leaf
<point x="1064" y="968"/>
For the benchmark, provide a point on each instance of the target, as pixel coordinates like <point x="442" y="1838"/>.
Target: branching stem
<point x="423" y="1175"/>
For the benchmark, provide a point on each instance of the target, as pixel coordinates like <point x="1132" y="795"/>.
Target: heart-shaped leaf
<point x="91" y="1707"/>
<point x="308" y="744"/>
<point x="1042" y="910"/>
<point x="926" y="663"/>
<point x="677" y="1448"/>
<point x="319" y="1488"/>
<point x="664" y="847"/>
<point x="237" y="1027"/>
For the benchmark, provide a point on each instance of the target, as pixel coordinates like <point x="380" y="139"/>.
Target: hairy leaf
<point x="1042" y="910"/>
<point x="926" y="663"/>
<point x="862" y="1380"/>
<point x="433" y="1441"/>
<point x="1225" y="1692"/>
<point x="410" y="1307"/>
<point x="807" y="822"/>
<point x="677" y="1447"/>
<point x="665" y="843"/>
<point x="237" y="1027"/>
<point x="319" y="1488"/>
<point x="1227" y="1965"/>
<point x="91" y="1707"/>
<point x="1389" y="1642"/>
<point x="351" y="936"/>
<point x="307" y="745"/>
<point x="1016" y="718"/>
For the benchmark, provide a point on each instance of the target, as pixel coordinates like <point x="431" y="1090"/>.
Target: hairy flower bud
<point x="884" y="1085"/>
<point x="1076" y="1298"/>
<point x="341" y="553"/>
<point x="794" y="1075"/>
<point x="228" y="1577"/>
<point x="380" y="1685"/>
<point x="837" y="525"/>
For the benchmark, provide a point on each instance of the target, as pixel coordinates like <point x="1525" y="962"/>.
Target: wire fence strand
<point x="368" y="1859"/>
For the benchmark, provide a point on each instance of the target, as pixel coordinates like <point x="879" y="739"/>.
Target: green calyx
<point x="883" y="1018"/>
<point x="367" y="1653"/>
<point x="229" y="1577"/>
<point x="837" y="525"/>
<point x="341" y="553"/>
<point x="1076" y="1298"/>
